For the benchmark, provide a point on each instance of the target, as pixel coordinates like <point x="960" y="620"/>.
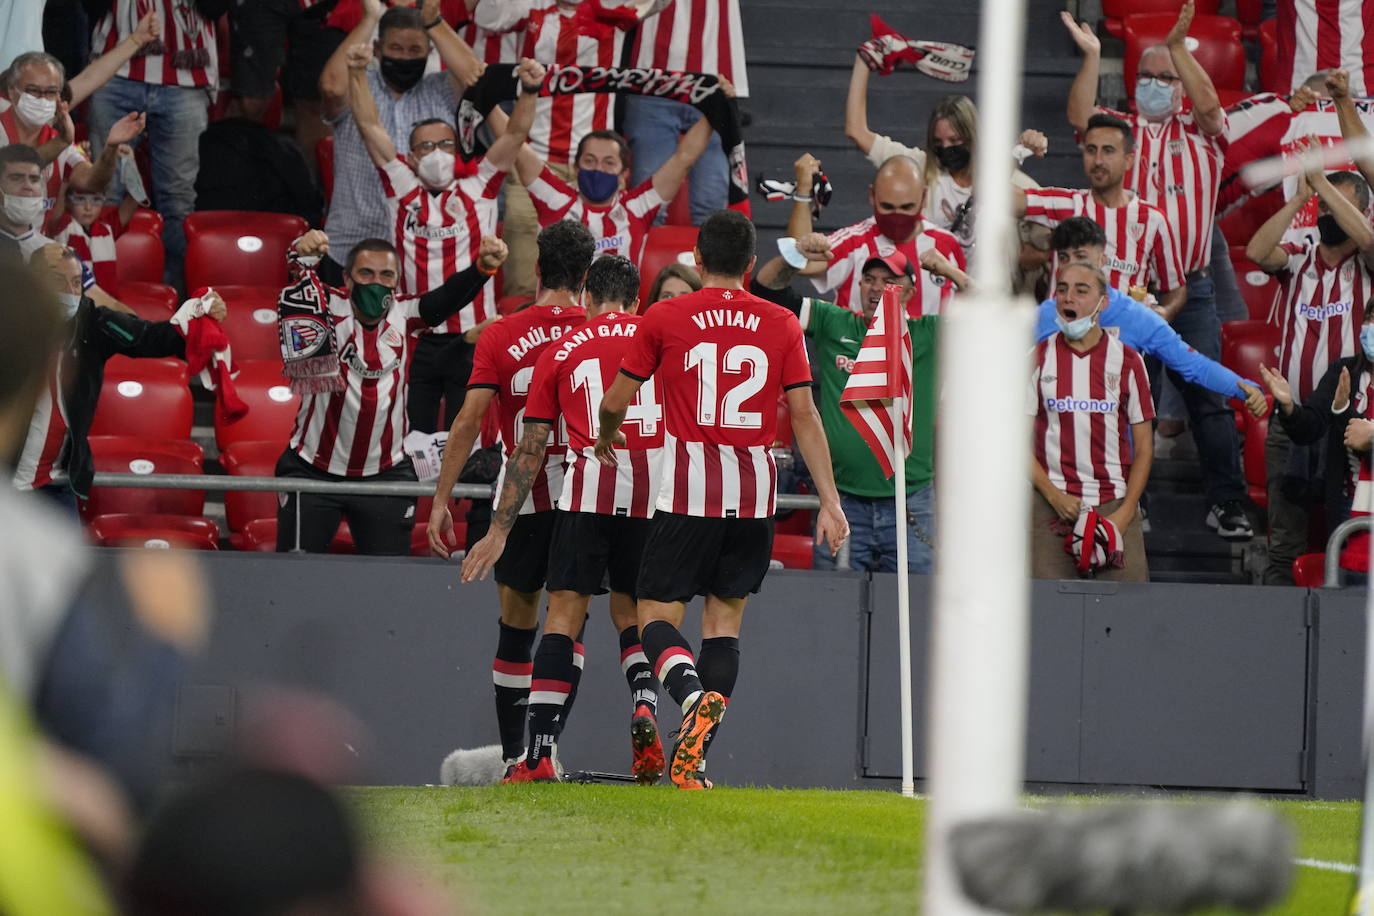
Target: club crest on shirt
<point x="1113" y="379"/>
<point x="1348" y="270"/>
<point x="391" y="337"/>
<point x="1175" y="147"/>
<point x="1135" y="230"/>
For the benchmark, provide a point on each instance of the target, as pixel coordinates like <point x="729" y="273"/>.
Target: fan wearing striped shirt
<point x="1326" y="279"/>
<point x="601" y="522"/>
<point x="719" y="359"/>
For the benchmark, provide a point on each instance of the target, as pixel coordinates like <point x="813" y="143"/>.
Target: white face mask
<point x="435" y="168"/>
<point x="25" y="211"/>
<point x="70" y="303"/>
<point x="35" y="112"/>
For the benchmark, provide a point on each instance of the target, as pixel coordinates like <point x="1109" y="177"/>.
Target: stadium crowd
<point x="453" y="257"/>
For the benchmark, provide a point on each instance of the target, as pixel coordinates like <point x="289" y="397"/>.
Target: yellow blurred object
<point x="1138" y="293"/>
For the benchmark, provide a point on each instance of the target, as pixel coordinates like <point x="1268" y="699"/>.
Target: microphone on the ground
<point x="1139" y="857"/>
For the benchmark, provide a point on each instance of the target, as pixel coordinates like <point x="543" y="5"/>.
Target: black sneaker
<point x="1229" y="520"/>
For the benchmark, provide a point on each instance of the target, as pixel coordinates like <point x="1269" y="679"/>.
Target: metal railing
<point x="1336" y="543"/>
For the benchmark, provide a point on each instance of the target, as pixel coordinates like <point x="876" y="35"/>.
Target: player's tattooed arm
<point x="521" y="470"/>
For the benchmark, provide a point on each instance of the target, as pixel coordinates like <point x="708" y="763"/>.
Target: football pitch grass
<point x="622" y="849"/>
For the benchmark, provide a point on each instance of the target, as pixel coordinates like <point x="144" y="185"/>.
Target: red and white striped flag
<point x="881" y="373"/>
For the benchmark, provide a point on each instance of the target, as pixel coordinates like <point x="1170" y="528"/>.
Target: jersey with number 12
<point x="720" y="360"/>
<point x="569" y="381"/>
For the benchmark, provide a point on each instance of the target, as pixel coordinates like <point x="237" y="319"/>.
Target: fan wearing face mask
<point x="1326" y="279"/>
<point x="1093" y="441"/>
<point x="403" y="97"/>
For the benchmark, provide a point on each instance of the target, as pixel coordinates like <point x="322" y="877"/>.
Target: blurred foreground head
<point x="33" y="325"/>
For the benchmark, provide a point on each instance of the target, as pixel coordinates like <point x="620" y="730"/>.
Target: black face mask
<point x="1331" y="232"/>
<point x="954" y="158"/>
<point x="403" y="73"/>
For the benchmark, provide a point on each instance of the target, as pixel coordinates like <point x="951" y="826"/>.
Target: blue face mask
<point x="72" y="301"/>
<point x="1154" y="100"/>
<point x="1367" y="340"/>
<point x="596" y="185"/>
<point x="1079" y="327"/>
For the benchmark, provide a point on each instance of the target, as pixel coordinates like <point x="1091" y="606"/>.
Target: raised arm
<point x="96" y="176"/>
<point x="375" y="138"/>
<point x="1083" y="92"/>
<point x="671" y="174"/>
<point x="799" y="220"/>
<point x="505" y="150"/>
<point x="777" y="273"/>
<point x="1348" y="216"/>
<point x="103" y="69"/>
<point x="1263" y="247"/>
<point x="1352" y="128"/>
<point x="521" y="470"/>
<point x="831" y="525"/>
<point x="464" y="66"/>
<point x="1207" y="113"/>
<point x="439" y="305"/>
<point x="334" y="76"/>
<point x="528" y="165"/>
<point x="856" y="108"/>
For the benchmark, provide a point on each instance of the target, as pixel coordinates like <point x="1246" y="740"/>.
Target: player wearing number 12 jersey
<point x="502" y="369"/>
<point x="602" y="518"/>
<point x="720" y="358"/>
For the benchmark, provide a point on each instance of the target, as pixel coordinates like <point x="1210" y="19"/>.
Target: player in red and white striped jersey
<point x="896" y="225"/>
<point x="1322" y="35"/>
<point x="357" y="432"/>
<point x="720" y="359"/>
<point x="1140" y="248"/>
<point x="502" y="370"/>
<point x="602" y="518"/>
<point x="1093" y="440"/>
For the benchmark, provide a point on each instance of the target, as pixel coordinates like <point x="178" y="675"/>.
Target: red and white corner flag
<point x="881" y="374"/>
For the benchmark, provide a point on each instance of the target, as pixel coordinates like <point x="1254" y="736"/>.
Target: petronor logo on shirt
<point x="1080" y="405"/>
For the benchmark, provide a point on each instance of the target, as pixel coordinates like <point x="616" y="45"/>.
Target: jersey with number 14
<point x="720" y="359"/>
<point x="569" y="381"/>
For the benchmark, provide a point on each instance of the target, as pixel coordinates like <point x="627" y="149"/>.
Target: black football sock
<point x="719" y="668"/>
<point x="672" y="659"/>
<point x="638" y="674"/>
<point x="549" y="694"/>
<point x="510" y="674"/>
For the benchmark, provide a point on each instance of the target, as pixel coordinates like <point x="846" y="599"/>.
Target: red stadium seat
<point x="1309" y="570"/>
<point x="145" y="220"/>
<point x="1247" y="345"/>
<point x="1269" y="58"/>
<point x="1115" y="11"/>
<point x="1252" y="460"/>
<point x="680" y="207"/>
<point x="139" y="256"/>
<point x="153" y="530"/>
<point x="1249" y="13"/>
<point x="238" y="246"/>
<point x="144" y="397"/>
<point x="1241" y="224"/>
<point x="324" y="162"/>
<point x="1258" y="287"/>
<point x="665" y="245"/>
<point x="133" y="454"/>
<point x="793" y="551"/>
<point x="261" y="535"/>
<point x="271" y="406"/>
<point x="150" y="301"/>
<point x="1218" y="50"/>
<point x="252" y="321"/>
<point x="249" y="459"/>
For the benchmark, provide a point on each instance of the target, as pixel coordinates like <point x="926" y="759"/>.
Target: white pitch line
<point x="1342" y="867"/>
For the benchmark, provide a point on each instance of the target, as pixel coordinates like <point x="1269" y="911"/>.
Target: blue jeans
<point x="1212" y="422"/>
<point x="177" y="116"/>
<point x="873" y="534"/>
<point x="653" y="126"/>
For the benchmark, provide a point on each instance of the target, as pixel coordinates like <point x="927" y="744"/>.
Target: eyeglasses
<point x="1163" y="80"/>
<point x="425" y="147"/>
<point x="39" y="92"/>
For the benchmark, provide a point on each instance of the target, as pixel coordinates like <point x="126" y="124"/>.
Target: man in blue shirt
<point x="1143" y="329"/>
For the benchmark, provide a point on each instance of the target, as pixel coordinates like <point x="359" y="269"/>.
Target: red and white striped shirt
<point x="1321" y="307"/>
<point x="47" y="432"/>
<point x="358" y="432"/>
<point x="493" y="47"/>
<point x="438" y="235"/>
<point x="1321" y="121"/>
<point x="1255" y="128"/>
<point x="185" y="55"/>
<point x="1084" y="404"/>
<point x="95" y="246"/>
<point x="504" y="360"/>
<point x="1140" y="249"/>
<point x="569" y="381"/>
<point x="55" y="172"/>
<point x="619" y="227"/>
<point x="1323" y="35"/>
<point x="1178" y="169"/>
<point x="853" y="245"/>
<point x="721" y="358"/>
<point x="699" y="36"/>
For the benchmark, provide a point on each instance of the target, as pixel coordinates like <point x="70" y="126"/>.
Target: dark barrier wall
<point x="1155" y="685"/>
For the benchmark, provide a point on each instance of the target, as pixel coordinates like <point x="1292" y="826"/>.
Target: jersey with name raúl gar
<point x="570" y="380"/>
<point x="504" y="362"/>
<point x="720" y="359"/>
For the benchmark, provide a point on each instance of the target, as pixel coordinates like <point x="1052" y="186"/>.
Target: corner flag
<point x="882" y="373"/>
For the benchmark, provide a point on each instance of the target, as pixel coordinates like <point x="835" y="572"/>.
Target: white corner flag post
<point x="903" y="591"/>
<point x="980" y="634"/>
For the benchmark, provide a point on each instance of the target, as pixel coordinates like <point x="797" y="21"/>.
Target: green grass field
<point x="620" y="849"/>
